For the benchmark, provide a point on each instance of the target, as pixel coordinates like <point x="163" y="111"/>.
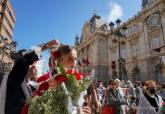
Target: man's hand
<point x="84" y="110"/>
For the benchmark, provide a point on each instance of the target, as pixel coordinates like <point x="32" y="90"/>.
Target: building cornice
<point x="146" y="58"/>
<point x="151" y="6"/>
<point x="92" y="38"/>
<point x="84" y="43"/>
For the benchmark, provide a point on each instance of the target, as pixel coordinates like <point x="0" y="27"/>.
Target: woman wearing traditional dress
<point x="66" y="56"/>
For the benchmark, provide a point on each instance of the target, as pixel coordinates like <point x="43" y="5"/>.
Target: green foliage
<point x="54" y="101"/>
<point x="76" y="87"/>
<point x="84" y="84"/>
<point x="73" y="88"/>
<point x="61" y="70"/>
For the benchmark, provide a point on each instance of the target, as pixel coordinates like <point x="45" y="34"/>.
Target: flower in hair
<point x="56" y="54"/>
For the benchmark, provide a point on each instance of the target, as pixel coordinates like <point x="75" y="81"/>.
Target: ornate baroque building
<point x="141" y="49"/>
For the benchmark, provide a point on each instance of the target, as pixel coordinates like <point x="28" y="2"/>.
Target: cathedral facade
<point x="141" y="49"/>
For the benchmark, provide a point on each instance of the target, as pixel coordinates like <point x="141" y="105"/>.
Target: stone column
<point x="101" y="64"/>
<point x="109" y="57"/>
<point x="163" y="23"/>
<point x="128" y="59"/>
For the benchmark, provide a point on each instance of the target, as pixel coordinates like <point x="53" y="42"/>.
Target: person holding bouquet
<point x="61" y="85"/>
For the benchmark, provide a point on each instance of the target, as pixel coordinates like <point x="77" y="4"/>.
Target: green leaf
<point x="62" y="70"/>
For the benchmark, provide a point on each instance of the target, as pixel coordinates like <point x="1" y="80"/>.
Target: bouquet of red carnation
<point x="62" y="98"/>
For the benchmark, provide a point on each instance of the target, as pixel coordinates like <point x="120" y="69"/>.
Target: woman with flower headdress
<point x="62" y="62"/>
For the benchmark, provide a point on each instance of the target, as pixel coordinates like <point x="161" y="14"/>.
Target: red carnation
<point x="69" y="71"/>
<point x="78" y="75"/>
<point x="57" y="54"/>
<point x="60" y="78"/>
<point x="75" y="73"/>
<point x="42" y="88"/>
<point x="54" y="42"/>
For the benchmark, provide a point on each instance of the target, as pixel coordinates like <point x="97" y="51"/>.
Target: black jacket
<point x="15" y="97"/>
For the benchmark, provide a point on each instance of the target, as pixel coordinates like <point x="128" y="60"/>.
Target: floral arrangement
<point x="54" y="101"/>
<point x="60" y="99"/>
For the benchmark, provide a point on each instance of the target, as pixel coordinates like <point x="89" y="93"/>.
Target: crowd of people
<point x="118" y="97"/>
<point x="125" y="97"/>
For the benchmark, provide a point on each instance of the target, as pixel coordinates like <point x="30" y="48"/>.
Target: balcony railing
<point x="5" y="67"/>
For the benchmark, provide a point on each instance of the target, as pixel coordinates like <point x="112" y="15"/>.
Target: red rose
<point x="60" y="78"/>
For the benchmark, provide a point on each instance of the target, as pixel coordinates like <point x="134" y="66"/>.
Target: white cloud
<point x="116" y="11"/>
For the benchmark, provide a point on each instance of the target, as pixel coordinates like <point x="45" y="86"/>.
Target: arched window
<point x="124" y="73"/>
<point x="136" y="73"/>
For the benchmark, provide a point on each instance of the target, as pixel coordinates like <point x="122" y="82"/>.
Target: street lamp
<point x="120" y="31"/>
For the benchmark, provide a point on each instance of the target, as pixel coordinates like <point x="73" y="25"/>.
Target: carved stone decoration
<point x="146" y="3"/>
<point x="153" y="21"/>
<point x="85" y="33"/>
<point x="103" y="27"/>
<point x="114" y="40"/>
<point x="132" y="30"/>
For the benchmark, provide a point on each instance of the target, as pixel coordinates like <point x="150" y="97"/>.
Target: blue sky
<point x="39" y="21"/>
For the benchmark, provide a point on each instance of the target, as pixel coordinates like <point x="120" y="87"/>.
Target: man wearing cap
<point x="150" y="102"/>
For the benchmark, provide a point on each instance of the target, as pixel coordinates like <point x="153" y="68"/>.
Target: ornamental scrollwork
<point x="153" y="21"/>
